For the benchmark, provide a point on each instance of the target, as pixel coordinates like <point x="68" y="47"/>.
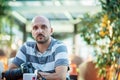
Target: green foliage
<point x="4" y="23"/>
<point x="88" y="27"/>
<point x="97" y="28"/>
<point x="112" y="8"/>
<point x="4" y="8"/>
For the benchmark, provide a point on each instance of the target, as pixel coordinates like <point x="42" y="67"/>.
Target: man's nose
<point x="39" y="31"/>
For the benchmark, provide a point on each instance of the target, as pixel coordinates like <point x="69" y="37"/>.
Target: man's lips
<point x="40" y="35"/>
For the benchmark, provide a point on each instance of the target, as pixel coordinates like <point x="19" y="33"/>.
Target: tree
<point x="102" y="31"/>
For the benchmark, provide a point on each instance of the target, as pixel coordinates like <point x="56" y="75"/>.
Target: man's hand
<point x="59" y="74"/>
<point x="41" y="75"/>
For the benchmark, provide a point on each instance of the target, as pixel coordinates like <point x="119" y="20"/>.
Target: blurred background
<point x="89" y="28"/>
<point x="16" y="16"/>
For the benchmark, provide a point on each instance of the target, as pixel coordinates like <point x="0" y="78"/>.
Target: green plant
<point x="102" y="31"/>
<point x="5" y="22"/>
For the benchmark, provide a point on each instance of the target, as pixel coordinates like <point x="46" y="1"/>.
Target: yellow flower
<point x="106" y="32"/>
<point x="102" y="34"/>
<point x="111" y="43"/>
<point x="118" y="50"/>
<point x="105" y="18"/>
<point x="103" y="24"/>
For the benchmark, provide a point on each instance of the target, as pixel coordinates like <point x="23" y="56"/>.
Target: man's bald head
<point x="41" y="20"/>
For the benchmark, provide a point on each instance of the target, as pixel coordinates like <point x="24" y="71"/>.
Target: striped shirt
<point x="55" y="55"/>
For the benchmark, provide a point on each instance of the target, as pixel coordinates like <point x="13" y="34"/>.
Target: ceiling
<point x="65" y="10"/>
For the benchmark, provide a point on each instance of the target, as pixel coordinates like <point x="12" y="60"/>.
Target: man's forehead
<point x="40" y="20"/>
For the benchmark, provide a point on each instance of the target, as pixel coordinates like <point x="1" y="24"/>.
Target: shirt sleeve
<point x="20" y="56"/>
<point x="61" y="57"/>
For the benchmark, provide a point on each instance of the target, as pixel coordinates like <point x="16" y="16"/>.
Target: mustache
<point x="40" y="35"/>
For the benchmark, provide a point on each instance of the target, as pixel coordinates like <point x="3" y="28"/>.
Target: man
<point x="46" y="54"/>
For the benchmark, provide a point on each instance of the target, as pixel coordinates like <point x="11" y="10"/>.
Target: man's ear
<point x="51" y="31"/>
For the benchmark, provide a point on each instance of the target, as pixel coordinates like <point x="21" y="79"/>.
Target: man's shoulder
<point x="56" y="41"/>
<point x="30" y="43"/>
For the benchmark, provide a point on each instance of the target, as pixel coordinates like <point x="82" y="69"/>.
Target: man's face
<point x="41" y="30"/>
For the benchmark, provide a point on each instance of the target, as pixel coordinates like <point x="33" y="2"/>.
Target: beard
<point x="41" y="39"/>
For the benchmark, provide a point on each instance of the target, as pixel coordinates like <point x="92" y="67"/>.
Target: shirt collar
<point x="49" y="48"/>
<point x="51" y="44"/>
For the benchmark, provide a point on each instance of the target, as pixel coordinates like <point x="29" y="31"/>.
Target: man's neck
<point x="43" y="47"/>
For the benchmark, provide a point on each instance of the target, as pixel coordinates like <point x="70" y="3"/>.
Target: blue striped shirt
<point x="55" y="55"/>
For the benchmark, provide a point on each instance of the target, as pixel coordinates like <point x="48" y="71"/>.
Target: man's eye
<point x="35" y="28"/>
<point x="43" y="26"/>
